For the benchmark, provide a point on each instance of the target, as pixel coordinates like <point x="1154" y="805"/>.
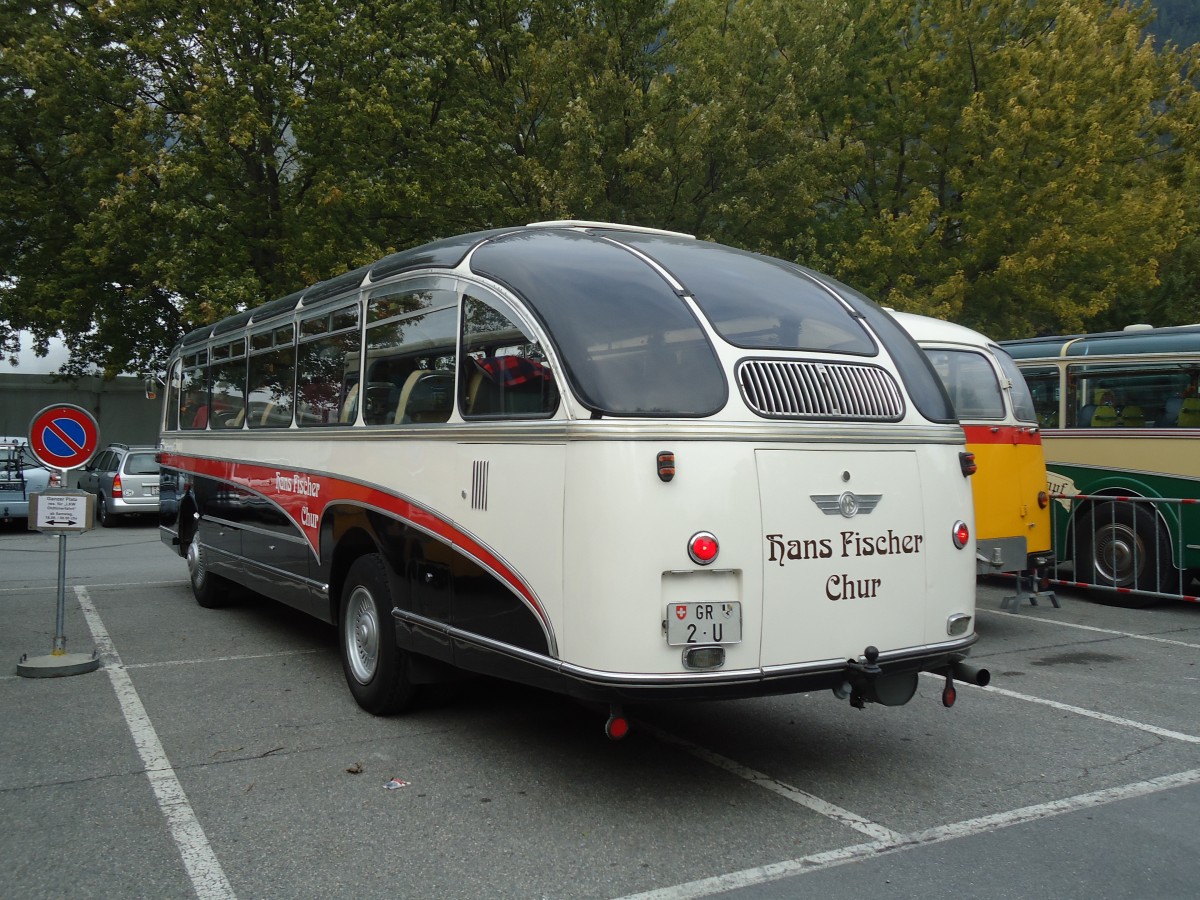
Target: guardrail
<point x="1121" y="545"/>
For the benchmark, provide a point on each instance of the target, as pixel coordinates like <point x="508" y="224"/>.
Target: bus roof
<point x="1131" y="341"/>
<point x="927" y="328"/>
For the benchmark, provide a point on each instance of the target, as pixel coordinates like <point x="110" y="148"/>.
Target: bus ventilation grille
<point x="797" y="389"/>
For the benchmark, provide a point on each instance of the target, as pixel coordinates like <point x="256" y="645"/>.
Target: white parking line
<point x="816" y="804"/>
<point x="1124" y="634"/>
<point x="706" y="887"/>
<point x="205" y="872"/>
<point x="1092" y="714"/>
<point x="213" y="659"/>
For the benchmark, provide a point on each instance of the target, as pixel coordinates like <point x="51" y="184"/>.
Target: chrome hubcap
<point x="1119" y="555"/>
<point x="362" y="635"/>
<point x="195" y="562"/>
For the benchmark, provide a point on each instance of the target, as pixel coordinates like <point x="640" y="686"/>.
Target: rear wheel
<point x="211" y="591"/>
<point x="104" y="517"/>
<point x="373" y="663"/>
<point x="1123" y="545"/>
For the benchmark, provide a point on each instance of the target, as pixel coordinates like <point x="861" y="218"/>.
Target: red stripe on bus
<point x="304" y="496"/>
<point x="1002" y="434"/>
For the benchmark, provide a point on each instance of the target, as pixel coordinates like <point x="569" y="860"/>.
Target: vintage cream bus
<point x="615" y="462"/>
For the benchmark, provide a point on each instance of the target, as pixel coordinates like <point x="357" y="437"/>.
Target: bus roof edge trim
<point x="610" y="226"/>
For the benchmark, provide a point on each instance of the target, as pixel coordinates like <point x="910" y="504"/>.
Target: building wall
<point x="120" y="406"/>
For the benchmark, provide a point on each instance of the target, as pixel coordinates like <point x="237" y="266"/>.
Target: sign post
<point x="62" y="437"/>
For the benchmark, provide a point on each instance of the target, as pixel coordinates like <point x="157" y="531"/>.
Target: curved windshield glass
<point x="630" y="346"/>
<point x="755" y="301"/>
<point x="970" y="381"/>
<point x="1022" y="397"/>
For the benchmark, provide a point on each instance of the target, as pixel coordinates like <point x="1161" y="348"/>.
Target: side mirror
<point x="151" y="387"/>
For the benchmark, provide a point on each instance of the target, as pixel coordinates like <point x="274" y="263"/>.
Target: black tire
<point x="103" y="516"/>
<point x="1123" y="545"/>
<point x="375" y="667"/>
<point x="211" y="591"/>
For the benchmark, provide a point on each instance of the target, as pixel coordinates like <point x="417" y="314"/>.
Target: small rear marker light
<point x="966" y="462"/>
<point x="1043" y="499"/>
<point x="666" y="465"/>
<point x="703" y="548"/>
<point x="704" y="657"/>
<point x="961" y="535"/>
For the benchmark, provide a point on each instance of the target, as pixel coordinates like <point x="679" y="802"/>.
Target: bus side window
<point x="329" y="343"/>
<point x="272" y="376"/>
<point x="193" y="403"/>
<point x="504" y="372"/>
<point x="410" y="356"/>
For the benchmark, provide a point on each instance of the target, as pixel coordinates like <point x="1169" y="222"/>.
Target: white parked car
<point x="124" y="480"/>
<point x="20" y="475"/>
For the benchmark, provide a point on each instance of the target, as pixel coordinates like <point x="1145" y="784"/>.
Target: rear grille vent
<point x="801" y="389"/>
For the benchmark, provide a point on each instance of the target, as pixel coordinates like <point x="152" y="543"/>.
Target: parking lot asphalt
<point x="218" y="754"/>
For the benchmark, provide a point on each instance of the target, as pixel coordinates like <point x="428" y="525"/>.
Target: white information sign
<point x="61" y="511"/>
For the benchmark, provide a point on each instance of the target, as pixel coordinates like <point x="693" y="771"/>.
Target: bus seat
<point x="1170" y="413"/>
<point x="268" y="410"/>
<point x="1189" y="413"/>
<point x="1085" y="415"/>
<point x="406" y="392"/>
<point x="349" y="410"/>
<point x="1132" y="417"/>
<point x="236" y="421"/>
<point x="427" y="396"/>
<point x="482" y="394"/>
<point x="1104" y="417"/>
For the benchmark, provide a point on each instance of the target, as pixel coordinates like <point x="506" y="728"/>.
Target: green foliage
<point x="1019" y="167"/>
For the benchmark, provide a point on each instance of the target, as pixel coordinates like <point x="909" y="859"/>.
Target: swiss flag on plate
<point x="681" y="612"/>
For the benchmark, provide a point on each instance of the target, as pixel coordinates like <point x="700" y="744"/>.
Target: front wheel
<point x="1122" y="545"/>
<point x="373" y="663"/>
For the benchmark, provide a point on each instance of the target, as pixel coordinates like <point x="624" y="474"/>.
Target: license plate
<point x="152" y="490"/>
<point x="704" y="623"/>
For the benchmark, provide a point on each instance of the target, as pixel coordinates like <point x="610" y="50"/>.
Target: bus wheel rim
<point x="1118" y="551"/>
<point x="195" y="562"/>
<point x="362" y="635"/>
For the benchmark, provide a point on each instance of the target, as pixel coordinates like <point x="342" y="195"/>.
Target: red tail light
<point x="703" y="548"/>
<point x="117" y="491"/>
<point x="961" y="534"/>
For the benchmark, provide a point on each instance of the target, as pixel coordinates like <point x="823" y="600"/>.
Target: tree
<point x="1014" y="162"/>
<point x="64" y="91"/>
<point x="175" y="162"/>
<point x="1018" y="167"/>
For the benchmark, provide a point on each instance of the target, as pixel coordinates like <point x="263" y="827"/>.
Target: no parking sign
<point x="63" y="436"/>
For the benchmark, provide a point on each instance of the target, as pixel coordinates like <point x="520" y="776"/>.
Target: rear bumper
<point x="16" y="509"/>
<point x="120" y="506"/>
<point x="479" y="654"/>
